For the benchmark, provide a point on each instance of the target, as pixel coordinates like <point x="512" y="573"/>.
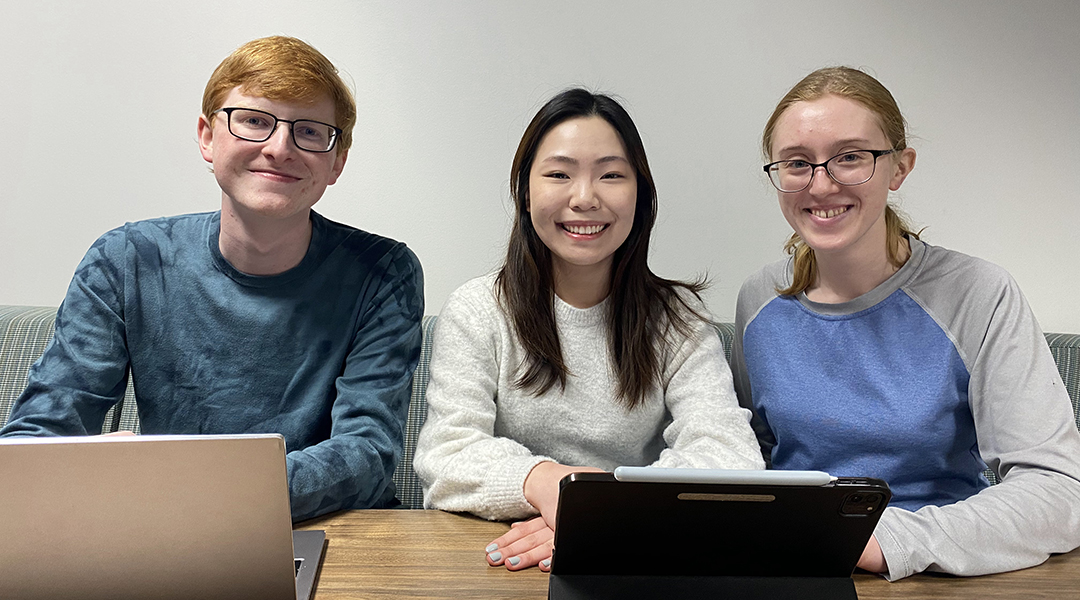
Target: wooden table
<point x="406" y="554"/>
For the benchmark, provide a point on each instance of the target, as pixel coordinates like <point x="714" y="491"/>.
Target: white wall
<point x="100" y="99"/>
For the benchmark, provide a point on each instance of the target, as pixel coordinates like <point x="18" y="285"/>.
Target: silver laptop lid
<point x="145" y="517"/>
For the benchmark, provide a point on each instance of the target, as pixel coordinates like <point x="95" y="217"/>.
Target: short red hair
<point x="282" y="68"/>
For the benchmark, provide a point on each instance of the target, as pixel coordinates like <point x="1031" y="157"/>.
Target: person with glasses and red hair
<point x="261" y="317"/>
<point x="870" y="353"/>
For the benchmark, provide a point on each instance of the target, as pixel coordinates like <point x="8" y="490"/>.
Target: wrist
<point x="537" y="480"/>
<point x="872" y="558"/>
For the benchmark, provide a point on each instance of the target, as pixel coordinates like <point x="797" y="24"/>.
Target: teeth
<point x="584" y="229"/>
<point x="825" y="214"/>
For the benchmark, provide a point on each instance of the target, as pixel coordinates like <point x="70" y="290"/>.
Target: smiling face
<point x="582" y="197"/>
<point x="834" y="219"/>
<point x="272" y="179"/>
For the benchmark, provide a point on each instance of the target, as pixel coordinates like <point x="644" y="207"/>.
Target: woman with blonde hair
<point x="869" y="352"/>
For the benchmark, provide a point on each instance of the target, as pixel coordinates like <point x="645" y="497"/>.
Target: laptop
<point x="644" y="532"/>
<point x="164" y="517"/>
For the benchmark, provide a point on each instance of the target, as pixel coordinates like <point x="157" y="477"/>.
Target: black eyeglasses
<point x="853" y="167"/>
<point x="258" y="125"/>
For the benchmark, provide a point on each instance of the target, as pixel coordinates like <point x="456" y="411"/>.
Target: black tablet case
<point x="631" y="540"/>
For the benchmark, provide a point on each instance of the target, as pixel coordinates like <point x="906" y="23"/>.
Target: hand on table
<point x="528" y="543"/>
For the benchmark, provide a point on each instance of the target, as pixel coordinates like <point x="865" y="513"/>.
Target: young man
<point x="263" y="317"/>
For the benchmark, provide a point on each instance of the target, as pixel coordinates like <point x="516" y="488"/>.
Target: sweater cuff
<point x="506" y="486"/>
<point x="896" y="559"/>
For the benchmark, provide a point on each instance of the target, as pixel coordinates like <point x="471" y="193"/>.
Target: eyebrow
<point x="562" y="158"/>
<point x="263" y="110"/>
<point x="838" y="144"/>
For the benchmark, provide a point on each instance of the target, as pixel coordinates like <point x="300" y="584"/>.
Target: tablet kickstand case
<point x="630" y="540"/>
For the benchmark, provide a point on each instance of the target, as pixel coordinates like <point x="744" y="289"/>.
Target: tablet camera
<point x="862" y="503"/>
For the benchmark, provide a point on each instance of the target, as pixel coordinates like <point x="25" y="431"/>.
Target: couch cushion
<point x="24" y="333"/>
<point x="409" y="490"/>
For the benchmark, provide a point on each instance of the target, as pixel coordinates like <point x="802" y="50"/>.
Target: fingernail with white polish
<point x="491" y="548"/>
<point x="546" y="562"/>
<point x="495" y="556"/>
<point x="513" y="561"/>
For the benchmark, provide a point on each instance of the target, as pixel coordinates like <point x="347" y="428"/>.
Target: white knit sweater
<point x="483" y="434"/>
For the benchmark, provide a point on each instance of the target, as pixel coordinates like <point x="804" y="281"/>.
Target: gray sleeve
<point x="708" y="428"/>
<point x="1026" y="434"/>
<point x="462" y="464"/>
<point x="757" y="291"/>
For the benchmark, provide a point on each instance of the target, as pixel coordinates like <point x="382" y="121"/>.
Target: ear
<point x="206" y="138"/>
<point x="902" y="168"/>
<point x="339" y="165"/>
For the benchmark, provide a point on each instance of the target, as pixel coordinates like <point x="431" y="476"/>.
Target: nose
<point x="584" y="197"/>
<point x="279" y="142"/>
<point x="821" y="183"/>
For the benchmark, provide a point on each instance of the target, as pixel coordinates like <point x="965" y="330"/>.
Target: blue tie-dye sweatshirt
<point x="322" y="353"/>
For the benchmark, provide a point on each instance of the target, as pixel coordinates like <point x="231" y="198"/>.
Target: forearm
<point x="481" y="475"/>
<point x="43" y="410"/>
<point x="354" y="466"/>
<point x="709" y="429"/>
<point x="1013" y="525"/>
<point x="340" y="474"/>
<point x="718" y="440"/>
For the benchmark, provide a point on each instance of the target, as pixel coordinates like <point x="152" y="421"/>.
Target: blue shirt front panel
<point x="837" y="393"/>
<point x="246" y="353"/>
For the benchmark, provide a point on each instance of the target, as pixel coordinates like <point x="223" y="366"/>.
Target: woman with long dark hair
<point x="574" y="356"/>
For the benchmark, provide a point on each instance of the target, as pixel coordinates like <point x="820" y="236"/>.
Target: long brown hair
<point x="642" y="307"/>
<point x="866" y="90"/>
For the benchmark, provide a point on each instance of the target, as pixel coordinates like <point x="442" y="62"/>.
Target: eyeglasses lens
<point x="851" y="168"/>
<point x="312" y="135"/>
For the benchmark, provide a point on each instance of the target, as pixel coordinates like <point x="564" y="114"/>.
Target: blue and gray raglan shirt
<point x="923" y="381"/>
<point x="322" y="353"/>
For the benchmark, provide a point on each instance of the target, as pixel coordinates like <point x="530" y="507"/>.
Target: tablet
<point x="697" y="528"/>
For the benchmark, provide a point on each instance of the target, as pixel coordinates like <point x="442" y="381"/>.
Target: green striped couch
<point x="25" y="330"/>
